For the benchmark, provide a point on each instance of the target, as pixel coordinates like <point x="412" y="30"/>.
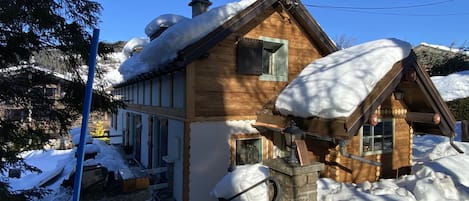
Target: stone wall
<point x="297" y="183"/>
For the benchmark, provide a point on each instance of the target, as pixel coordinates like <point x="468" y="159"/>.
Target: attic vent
<point x="249" y="54"/>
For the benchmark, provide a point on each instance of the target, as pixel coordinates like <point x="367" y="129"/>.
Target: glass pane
<point x="387" y="128"/>
<point x="248" y="151"/>
<point x="379" y="129"/>
<point x="367" y="144"/>
<point x="366" y="130"/>
<point x="387" y="143"/>
<point x="378" y="144"/>
<point x="266" y="62"/>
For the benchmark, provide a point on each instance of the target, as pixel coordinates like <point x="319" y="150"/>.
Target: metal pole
<point x="85" y="115"/>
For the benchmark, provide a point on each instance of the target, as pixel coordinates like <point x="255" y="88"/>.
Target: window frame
<point x="240" y="137"/>
<point x="279" y="60"/>
<point x="372" y="136"/>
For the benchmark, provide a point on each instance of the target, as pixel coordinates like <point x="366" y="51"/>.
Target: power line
<point x="365" y="10"/>
<point x="403" y="14"/>
<point x="379" y="8"/>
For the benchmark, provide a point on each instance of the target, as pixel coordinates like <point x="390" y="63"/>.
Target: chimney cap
<point x="200" y="1"/>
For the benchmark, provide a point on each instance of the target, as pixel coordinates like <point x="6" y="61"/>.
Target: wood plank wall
<point x="218" y="91"/>
<point x="344" y="169"/>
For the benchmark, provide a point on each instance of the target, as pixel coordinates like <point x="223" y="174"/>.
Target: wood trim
<point x="421" y="117"/>
<point x="186" y="162"/>
<point x="190" y="93"/>
<point x="232" y="143"/>
<point x="335" y="128"/>
<point x="171" y="113"/>
<point x="223" y="118"/>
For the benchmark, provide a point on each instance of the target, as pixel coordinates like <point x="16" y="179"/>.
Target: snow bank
<point x="453" y="86"/>
<point x="175" y="38"/>
<point x="383" y="190"/>
<point x="50" y="162"/>
<point x="240" y="179"/>
<point x="75" y="134"/>
<point x="335" y="85"/>
<point x="107" y="156"/>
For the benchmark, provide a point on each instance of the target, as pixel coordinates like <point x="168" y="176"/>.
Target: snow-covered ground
<point x="438" y="174"/>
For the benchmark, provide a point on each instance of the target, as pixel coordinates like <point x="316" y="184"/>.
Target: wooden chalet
<point x="375" y="140"/>
<point x="194" y="114"/>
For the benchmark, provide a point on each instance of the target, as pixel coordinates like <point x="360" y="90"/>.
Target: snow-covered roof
<point x="334" y="86"/>
<point x="133" y="44"/>
<point x="67" y="77"/>
<point x="165" y="47"/>
<point x="446" y="48"/>
<point x="163" y="21"/>
<point x="453" y="86"/>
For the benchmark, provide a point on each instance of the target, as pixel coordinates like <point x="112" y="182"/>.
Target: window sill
<point x="273" y="78"/>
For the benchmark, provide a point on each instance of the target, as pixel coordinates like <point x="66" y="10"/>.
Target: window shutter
<point x="249" y="56"/>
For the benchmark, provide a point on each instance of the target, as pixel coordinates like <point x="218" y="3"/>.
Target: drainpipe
<point x="451" y="142"/>
<point x="342" y="145"/>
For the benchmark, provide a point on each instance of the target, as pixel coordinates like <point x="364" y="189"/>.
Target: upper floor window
<point x="266" y="57"/>
<point x="378" y="139"/>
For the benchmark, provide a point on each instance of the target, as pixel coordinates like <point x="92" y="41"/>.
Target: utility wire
<point x="365" y="10"/>
<point x="403" y="14"/>
<point x="379" y="8"/>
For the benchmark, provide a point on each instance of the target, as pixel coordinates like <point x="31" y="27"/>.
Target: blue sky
<point x="441" y="22"/>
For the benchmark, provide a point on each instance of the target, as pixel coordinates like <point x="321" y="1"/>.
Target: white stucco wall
<point x="119" y="130"/>
<point x="210" y="154"/>
<point x="175" y="150"/>
<point x="144" y="150"/>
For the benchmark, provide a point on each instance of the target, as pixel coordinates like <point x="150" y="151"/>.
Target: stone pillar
<point x="297" y="183"/>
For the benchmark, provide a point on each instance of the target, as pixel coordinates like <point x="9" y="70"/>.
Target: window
<point x="267" y="57"/>
<point x="248" y="151"/>
<point x="378" y="139"/>
<point x="50" y="92"/>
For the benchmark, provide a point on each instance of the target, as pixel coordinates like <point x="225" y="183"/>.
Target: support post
<point x="85" y="115"/>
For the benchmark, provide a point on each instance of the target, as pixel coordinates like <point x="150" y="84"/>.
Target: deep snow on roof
<point x="163" y="21"/>
<point x="334" y="86"/>
<point x="166" y="46"/>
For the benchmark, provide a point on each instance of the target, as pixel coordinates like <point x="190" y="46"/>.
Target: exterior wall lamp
<point x="291" y="133"/>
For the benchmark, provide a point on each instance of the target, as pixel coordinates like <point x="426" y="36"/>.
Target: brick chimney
<point x="199" y="6"/>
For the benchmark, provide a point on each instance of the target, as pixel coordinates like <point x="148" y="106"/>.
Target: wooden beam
<point x="422" y="117"/>
<point x="178" y="114"/>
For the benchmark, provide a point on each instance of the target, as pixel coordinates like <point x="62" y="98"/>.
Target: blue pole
<point x="85" y="115"/>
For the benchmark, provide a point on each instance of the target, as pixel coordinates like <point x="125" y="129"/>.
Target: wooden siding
<point x="345" y="169"/>
<point x="218" y="91"/>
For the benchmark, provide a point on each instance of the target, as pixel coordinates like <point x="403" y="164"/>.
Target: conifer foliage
<point x="29" y="27"/>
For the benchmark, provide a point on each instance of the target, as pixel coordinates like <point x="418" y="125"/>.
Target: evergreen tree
<point x="27" y="28"/>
